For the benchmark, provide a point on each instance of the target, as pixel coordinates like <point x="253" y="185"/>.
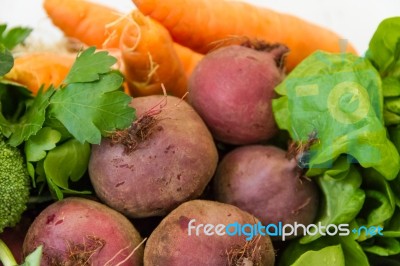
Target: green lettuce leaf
<point x="328" y="256"/>
<point x="380" y="202"/>
<point x="345" y="249"/>
<point x="338" y="96"/>
<point x="345" y="180"/>
<point x="384" y="53"/>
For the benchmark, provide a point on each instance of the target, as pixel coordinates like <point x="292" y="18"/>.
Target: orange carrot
<point x="150" y="58"/>
<point x="41" y="68"/>
<point x="188" y="57"/>
<point x="90" y="23"/>
<point x="198" y="24"/>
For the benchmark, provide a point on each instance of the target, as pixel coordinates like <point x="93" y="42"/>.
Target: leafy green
<point x="14" y="36"/>
<point x="36" y="148"/>
<point x="382" y="246"/>
<point x="8" y="40"/>
<point x="353" y="105"/>
<point x="384" y="47"/>
<point x="88" y="115"/>
<point x="65" y="162"/>
<point x="344" y="248"/>
<point x="342" y="179"/>
<point x="32" y="121"/>
<point x="380" y="202"/>
<point x="339" y="97"/>
<point x="6" y="60"/>
<point x="37" y="145"/>
<point x="57" y="126"/>
<point x="328" y="256"/>
<point x="384" y="53"/>
<point x="89" y="65"/>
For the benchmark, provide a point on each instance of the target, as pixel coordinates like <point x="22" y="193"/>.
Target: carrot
<point x="188" y="57"/>
<point x="150" y="58"/>
<point x="41" y="68"/>
<point x="91" y="23"/>
<point x="198" y="24"/>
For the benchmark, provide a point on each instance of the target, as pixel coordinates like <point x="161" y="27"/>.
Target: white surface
<point x="355" y="20"/>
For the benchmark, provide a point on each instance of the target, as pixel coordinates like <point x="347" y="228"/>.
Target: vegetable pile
<point x="156" y="137"/>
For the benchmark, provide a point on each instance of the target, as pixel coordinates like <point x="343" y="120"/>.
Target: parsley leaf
<point x="89" y="65"/>
<point x="6" y="60"/>
<point x="32" y="121"/>
<point x="58" y="125"/>
<point x="89" y="110"/>
<point x="66" y="161"/>
<point x="14" y="36"/>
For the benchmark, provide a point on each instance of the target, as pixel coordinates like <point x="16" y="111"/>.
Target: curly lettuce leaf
<point x="328" y="256"/>
<point x="384" y="47"/>
<point x="338" y="96"/>
<point x="345" y="180"/>
<point x="380" y="201"/>
<point x="331" y="250"/>
<point x="384" y="53"/>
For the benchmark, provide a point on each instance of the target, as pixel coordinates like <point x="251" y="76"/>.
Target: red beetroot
<point x="77" y="231"/>
<point x="171" y="245"/>
<point x="232" y="89"/>
<point x="263" y="181"/>
<point x="172" y="164"/>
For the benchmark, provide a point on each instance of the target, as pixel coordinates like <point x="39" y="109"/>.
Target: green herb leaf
<point x="6" y="60"/>
<point x="36" y="146"/>
<point x="65" y="162"/>
<point x="89" y="65"/>
<point x="14" y="36"/>
<point x="32" y="121"/>
<point x="89" y="110"/>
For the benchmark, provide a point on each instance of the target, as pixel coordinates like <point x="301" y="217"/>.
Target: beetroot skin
<point x="173" y="164"/>
<point x="76" y="230"/>
<point x="261" y="180"/>
<point x="171" y="245"/>
<point x="232" y="89"/>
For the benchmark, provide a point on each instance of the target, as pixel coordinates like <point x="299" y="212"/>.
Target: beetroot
<point x="263" y="181"/>
<point x="232" y="89"/>
<point x="171" y="162"/>
<point x="171" y="245"/>
<point x="78" y="231"/>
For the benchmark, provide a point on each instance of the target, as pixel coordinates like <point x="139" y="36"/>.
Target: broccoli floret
<point x="14" y="185"/>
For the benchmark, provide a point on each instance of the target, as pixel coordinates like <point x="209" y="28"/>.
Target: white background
<point x="355" y="20"/>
